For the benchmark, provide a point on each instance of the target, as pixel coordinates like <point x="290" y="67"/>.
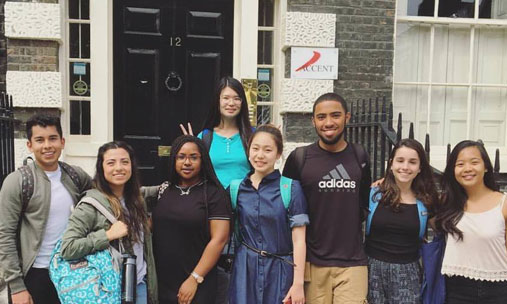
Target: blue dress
<point x="265" y="224"/>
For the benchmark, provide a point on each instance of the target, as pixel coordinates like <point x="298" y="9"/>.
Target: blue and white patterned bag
<point x="95" y="278"/>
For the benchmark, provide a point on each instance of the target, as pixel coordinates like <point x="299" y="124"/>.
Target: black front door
<point x="168" y="55"/>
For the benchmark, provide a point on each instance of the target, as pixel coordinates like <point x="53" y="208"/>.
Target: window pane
<point x="497" y="9"/>
<point x="263" y="115"/>
<point x="73" y="9"/>
<point x="265" y="51"/>
<point x="266" y="9"/>
<point x="264" y="88"/>
<point x="80" y="117"/>
<point x="489" y="115"/>
<point x="415" y="7"/>
<point x="74" y="40"/>
<point x="491" y="55"/>
<point x="412" y="55"/>
<point x="85" y="9"/>
<point x="456" y="9"/>
<point x="79" y="79"/>
<point x="452" y="52"/>
<point x="85" y="41"/>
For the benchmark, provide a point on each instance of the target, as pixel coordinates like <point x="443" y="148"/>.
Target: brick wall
<point x="30" y="55"/>
<point x="364" y="37"/>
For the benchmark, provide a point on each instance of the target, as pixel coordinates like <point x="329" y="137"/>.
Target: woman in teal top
<point x="226" y="132"/>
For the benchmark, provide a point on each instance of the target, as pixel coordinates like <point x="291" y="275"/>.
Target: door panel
<point x="168" y="55"/>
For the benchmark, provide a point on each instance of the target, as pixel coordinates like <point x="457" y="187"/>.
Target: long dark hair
<point x="454" y="196"/>
<point x="136" y="220"/>
<point x="242" y="119"/>
<point x="207" y="172"/>
<point x="423" y="184"/>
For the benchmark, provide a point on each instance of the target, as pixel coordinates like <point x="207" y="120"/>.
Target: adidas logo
<point x="338" y="178"/>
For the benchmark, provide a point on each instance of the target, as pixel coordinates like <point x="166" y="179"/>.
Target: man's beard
<point x="331" y="141"/>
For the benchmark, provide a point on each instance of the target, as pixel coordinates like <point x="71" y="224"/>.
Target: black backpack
<point x="27" y="180"/>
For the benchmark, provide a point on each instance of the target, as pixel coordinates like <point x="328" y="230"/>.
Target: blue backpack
<point x="421" y="211"/>
<point x="95" y="278"/>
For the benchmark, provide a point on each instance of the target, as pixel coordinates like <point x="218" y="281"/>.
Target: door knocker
<point x="173" y="82"/>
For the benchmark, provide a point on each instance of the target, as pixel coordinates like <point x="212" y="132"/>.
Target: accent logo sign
<point x="314" y="63"/>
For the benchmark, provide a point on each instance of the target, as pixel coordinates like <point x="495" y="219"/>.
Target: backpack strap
<point x="360" y="154"/>
<point x="423" y="218"/>
<point x="72" y="173"/>
<point x="373" y="204"/>
<point x="299" y="159"/>
<point x="27" y="185"/>
<point x="207" y="137"/>
<point x="285" y="190"/>
<point x="103" y="210"/>
<point x="233" y="190"/>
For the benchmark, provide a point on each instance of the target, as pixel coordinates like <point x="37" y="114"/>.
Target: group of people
<point x="294" y="237"/>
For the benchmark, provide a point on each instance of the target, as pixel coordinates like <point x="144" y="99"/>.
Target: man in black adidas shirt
<point x="335" y="176"/>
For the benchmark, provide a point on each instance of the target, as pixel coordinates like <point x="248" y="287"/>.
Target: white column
<point x="101" y="54"/>
<point x="246" y="13"/>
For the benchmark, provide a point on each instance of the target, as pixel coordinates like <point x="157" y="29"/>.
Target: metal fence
<point x="371" y="125"/>
<point x="6" y="136"/>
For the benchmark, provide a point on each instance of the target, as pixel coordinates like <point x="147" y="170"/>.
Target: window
<point x="450" y="75"/>
<point x="265" y="61"/>
<point x="78" y="62"/>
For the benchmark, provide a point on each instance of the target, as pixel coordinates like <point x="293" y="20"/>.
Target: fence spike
<point x="368" y="113"/>
<point x="384" y="109"/>
<point x="427" y="146"/>
<point x="390" y="115"/>
<point x="411" y="131"/>
<point x="497" y="161"/>
<point x="448" y="152"/>
<point x="11" y="104"/>
<point x="363" y="111"/>
<point x="398" y="131"/>
<point x="377" y="110"/>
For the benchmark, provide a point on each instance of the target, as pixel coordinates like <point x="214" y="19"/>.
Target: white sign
<point x="314" y="63"/>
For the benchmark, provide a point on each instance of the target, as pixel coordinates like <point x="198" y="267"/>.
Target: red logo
<point x="315" y="57"/>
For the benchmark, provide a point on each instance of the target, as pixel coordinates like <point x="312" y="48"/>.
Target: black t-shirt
<point x="180" y="232"/>
<point x="394" y="236"/>
<point x="336" y="186"/>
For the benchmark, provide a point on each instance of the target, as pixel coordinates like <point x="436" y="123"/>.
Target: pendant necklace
<point x="187" y="191"/>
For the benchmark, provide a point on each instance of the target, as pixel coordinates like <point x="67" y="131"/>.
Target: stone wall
<point x="365" y="39"/>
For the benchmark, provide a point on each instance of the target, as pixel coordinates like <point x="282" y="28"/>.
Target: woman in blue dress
<point x="271" y="248"/>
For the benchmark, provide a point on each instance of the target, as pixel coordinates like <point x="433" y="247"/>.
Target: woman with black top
<point x="396" y="225"/>
<point x="190" y="224"/>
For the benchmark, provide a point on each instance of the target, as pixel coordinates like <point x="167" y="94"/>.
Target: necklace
<point x="187" y="191"/>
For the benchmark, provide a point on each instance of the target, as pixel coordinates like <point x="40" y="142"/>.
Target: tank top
<point x="482" y="254"/>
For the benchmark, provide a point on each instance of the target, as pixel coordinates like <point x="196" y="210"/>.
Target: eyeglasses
<point x="234" y="99"/>
<point x="192" y="158"/>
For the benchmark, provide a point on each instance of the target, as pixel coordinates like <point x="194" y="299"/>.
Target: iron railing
<point x="6" y="136"/>
<point x="371" y="125"/>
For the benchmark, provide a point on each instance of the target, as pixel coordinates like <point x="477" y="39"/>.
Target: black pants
<point x="40" y="286"/>
<point x="461" y="290"/>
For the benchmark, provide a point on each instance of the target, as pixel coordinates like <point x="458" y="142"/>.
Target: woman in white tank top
<point x="473" y="215"/>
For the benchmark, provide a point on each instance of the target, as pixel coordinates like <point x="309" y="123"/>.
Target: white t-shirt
<point x="59" y="213"/>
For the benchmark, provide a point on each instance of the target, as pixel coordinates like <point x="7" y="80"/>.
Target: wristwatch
<point x="197" y="277"/>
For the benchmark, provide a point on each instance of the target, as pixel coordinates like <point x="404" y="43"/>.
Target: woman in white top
<point x="473" y="215"/>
